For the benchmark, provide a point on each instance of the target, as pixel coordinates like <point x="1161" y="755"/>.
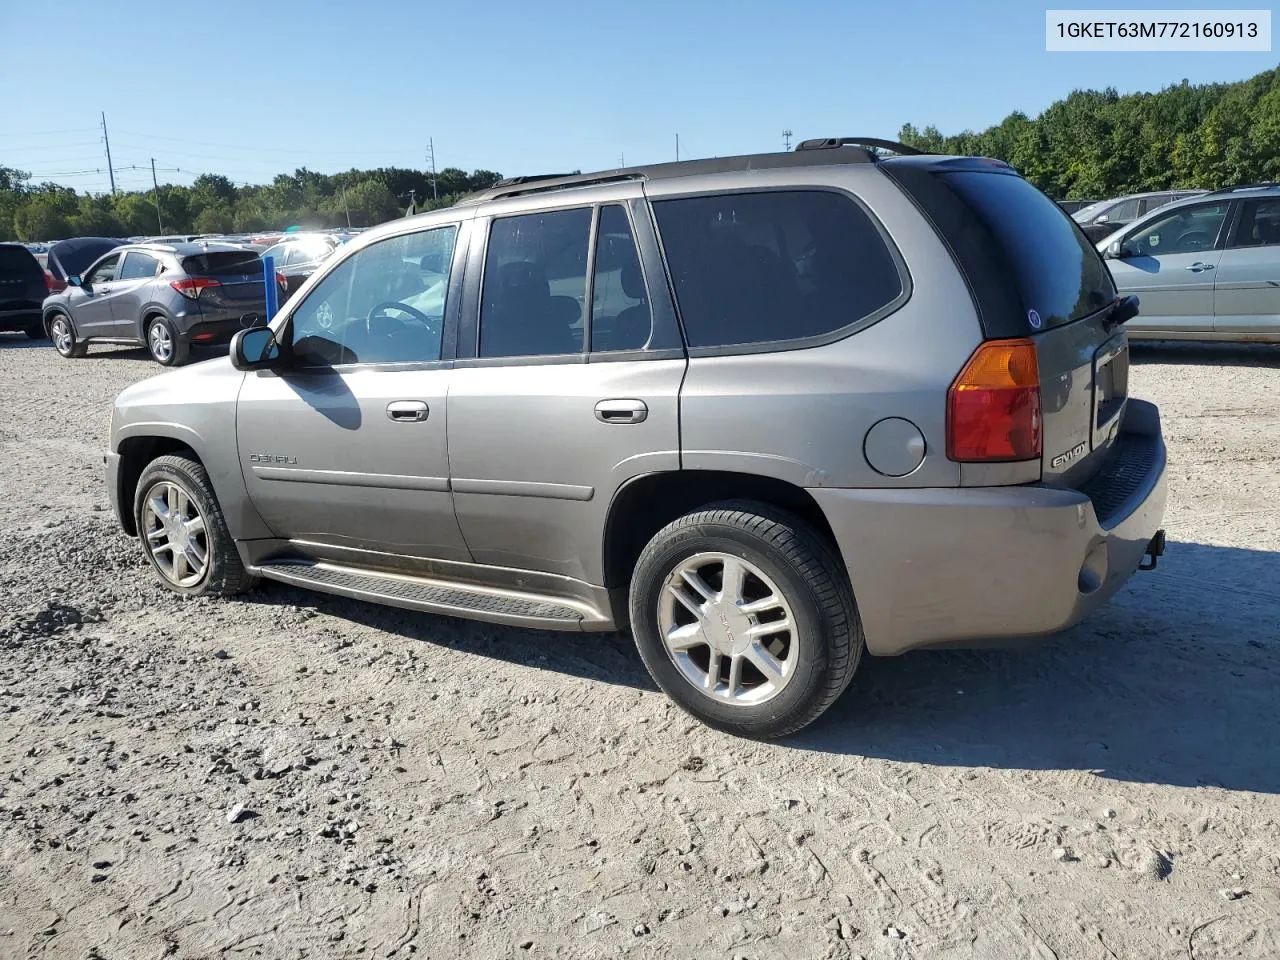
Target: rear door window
<point x="1259" y="224"/>
<point x="138" y="265"/>
<point x="775" y="266"/>
<point x="534" y="291"/>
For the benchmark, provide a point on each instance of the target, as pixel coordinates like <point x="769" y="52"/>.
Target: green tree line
<point x="1098" y="144"/>
<point x="213" y="204"/>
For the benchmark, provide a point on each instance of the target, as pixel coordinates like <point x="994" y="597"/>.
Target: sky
<point x="254" y="89"/>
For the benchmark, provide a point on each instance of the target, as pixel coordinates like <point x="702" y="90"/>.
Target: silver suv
<point x="164" y="296"/>
<point x="767" y="411"/>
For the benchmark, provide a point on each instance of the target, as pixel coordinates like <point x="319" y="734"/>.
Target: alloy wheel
<point x="728" y="628"/>
<point x="63" y="338"/>
<point x="175" y="534"/>
<point x="161" y="342"/>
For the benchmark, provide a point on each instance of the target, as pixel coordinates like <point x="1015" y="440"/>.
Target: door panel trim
<point x="343" y="478"/>
<point x="524" y="488"/>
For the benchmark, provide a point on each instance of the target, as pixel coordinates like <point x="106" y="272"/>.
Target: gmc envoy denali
<point x="768" y="412"/>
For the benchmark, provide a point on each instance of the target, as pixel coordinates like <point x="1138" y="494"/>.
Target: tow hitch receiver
<point x="1155" y="550"/>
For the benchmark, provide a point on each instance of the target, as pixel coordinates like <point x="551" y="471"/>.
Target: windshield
<point x="1085" y="214"/>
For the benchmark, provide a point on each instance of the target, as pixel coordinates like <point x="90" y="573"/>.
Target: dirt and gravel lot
<point x="402" y="785"/>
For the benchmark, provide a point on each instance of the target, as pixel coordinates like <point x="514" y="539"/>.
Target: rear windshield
<point x="1029" y="266"/>
<point x="18" y="262"/>
<point x="224" y="264"/>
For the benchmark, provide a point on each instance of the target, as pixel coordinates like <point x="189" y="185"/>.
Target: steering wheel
<point x="1194" y="240"/>
<point x="380" y="309"/>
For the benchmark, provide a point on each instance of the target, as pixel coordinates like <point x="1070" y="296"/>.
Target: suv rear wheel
<point x="183" y="532"/>
<point x="165" y="345"/>
<point x="745" y="618"/>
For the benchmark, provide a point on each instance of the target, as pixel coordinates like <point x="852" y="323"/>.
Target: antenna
<point x="677" y="148"/>
<point x="786" y="140"/>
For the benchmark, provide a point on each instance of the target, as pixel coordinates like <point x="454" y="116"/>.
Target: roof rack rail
<point x="530" y="178"/>
<point x="830" y="143"/>
<point x="1244" y="186"/>
<point x="520" y="186"/>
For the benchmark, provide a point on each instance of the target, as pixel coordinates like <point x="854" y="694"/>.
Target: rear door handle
<point x="621" y="411"/>
<point x="407" y="411"/>
<point x="1197" y="267"/>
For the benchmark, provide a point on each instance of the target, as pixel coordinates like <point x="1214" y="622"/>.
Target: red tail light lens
<point x="993" y="407"/>
<point x="281" y="281"/>
<point x="190" y="287"/>
<point x="48" y="282"/>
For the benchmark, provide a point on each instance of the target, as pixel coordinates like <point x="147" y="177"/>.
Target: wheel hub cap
<point x="728" y="629"/>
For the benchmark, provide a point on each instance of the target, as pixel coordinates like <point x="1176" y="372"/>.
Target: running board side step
<point x="443" y="597"/>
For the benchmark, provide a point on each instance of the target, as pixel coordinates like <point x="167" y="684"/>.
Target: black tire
<point x="179" y="346"/>
<point x="36" y="332"/>
<point x="67" y="344"/>
<point x="224" y="575"/>
<point x="811" y="578"/>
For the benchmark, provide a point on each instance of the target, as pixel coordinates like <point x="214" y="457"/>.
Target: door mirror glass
<point x="254" y="349"/>
<point x="1115" y="250"/>
<point x="73" y="280"/>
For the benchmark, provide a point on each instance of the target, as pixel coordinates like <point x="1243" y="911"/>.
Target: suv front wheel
<point x="183" y="532"/>
<point x="744" y="616"/>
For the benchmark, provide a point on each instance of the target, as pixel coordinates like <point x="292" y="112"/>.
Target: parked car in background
<point x="298" y="257"/>
<point x="1103" y="218"/>
<point x="1207" y="268"/>
<point x="1071" y="206"/>
<point x="73" y="257"/>
<point x="768" y="411"/>
<point x="22" y="289"/>
<point x="164" y="296"/>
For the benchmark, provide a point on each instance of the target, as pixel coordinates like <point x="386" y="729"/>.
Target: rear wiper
<point x="1121" y="312"/>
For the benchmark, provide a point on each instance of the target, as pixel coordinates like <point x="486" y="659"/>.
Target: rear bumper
<point x="219" y="330"/>
<point x="934" y="567"/>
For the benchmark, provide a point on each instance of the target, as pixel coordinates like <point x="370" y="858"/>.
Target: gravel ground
<point x="292" y="775"/>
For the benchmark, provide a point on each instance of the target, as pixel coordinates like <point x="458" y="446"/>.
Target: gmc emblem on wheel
<point x="1070" y="455"/>
<point x="268" y="458"/>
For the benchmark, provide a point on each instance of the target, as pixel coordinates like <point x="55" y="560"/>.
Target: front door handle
<point x="1197" y="267"/>
<point x="407" y="411"/>
<point x="621" y="411"/>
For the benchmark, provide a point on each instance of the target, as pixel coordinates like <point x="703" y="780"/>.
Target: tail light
<point x="190" y="287"/>
<point x="48" y="282"/>
<point x="282" y="281"/>
<point x="993" y="406"/>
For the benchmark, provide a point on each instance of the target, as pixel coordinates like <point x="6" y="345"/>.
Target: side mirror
<point x="254" y="349"/>
<point x="1115" y="250"/>
<point x="1102" y="219"/>
<point x="74" y="280"/>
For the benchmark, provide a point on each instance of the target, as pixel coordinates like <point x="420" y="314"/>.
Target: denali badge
<point x="1070" y="455"/>
<point x="268" y="458"/>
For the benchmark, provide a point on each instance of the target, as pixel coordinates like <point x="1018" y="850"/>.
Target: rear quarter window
<point x="775" y="266"/>
<point x="1028" y="265"/>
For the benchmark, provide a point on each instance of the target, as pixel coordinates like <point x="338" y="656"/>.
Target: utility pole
<point x="786" y="140"/>
<point x="110" y="172"/>
<point x="155" y="194"/>
<point x="677" y="147"/>
<point x="345" y="208"/>
<point x="431" y="156"/>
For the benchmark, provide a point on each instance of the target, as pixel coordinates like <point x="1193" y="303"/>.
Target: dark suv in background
<point x="22" y="288"/>
<point x="163" y="296"/>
